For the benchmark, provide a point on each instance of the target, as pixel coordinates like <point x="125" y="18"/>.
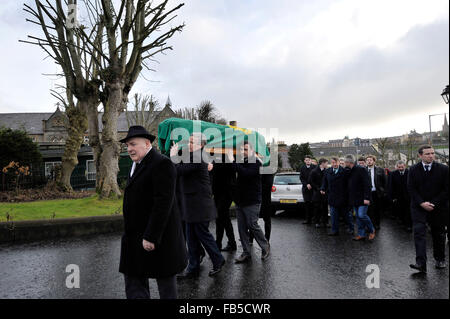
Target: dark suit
<point x="223" y="182"/>
<point x="335" y="186"/>
<point x="307" y="194"/>
<point x="150" y="212"/>
<point x="431" y="187"/>
<point x="199" y="211"/>
<point x="319" y="200"/>
<point x="377" y="196"/>
<point x="398" y="192"/>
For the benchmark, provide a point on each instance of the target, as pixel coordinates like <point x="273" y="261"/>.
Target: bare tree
<point x="81" y="75"/>
<point x="143" y="111"/>
<point x="206" y="112"/>
<point x="76" y="128"/>
<point x="186" y="113"/>
<point x="383" y="145"/>
<point x="121" y="41"/>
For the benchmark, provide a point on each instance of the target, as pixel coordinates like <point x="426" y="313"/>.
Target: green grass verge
<point x="62" y="208"/>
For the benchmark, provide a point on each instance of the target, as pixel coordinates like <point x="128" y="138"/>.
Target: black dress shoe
<point x="229" y="248"/>
<point x="242" y="259"/>
<point x="265" y="253"/>
<point x="217" y="269"/>
<point x="188" y="274"/>
<point x="441" y="264"/>
<point x="306" y="222"/>
<point x="419" y="267"/>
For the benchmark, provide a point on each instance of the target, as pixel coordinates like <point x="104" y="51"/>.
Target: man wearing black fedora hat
<point x="153" y="244"/>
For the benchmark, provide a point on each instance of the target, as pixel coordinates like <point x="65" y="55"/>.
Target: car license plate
<point x="288" y="201"/>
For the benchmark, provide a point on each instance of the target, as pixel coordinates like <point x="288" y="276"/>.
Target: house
<point x="49" y="131"/>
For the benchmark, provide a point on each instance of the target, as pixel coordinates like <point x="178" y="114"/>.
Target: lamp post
<point x="445" y="94"/>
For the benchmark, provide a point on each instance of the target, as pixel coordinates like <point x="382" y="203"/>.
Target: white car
<point x="287" y="191"/>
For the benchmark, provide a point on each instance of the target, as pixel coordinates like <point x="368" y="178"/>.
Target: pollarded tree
<point x="80" y="69"/>
<point x="123" y="38"/>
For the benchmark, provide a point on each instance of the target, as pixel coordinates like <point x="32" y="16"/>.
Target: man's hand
<point x="148" y="246"/>
<point x="322" y="192"/>
<point x="210" y="167"/>
<point x="174" y="150"/>
<point x="427" y="206"/>
<point x="309" y="186"/>
<point x="366" y="202"/>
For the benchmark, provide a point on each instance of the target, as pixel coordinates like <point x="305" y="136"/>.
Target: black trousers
<point x="201" y="249"/>
<point x="437" y="220"/>
<point x="309" y="207"/>
<point x="138" y="287"/>
<point x="321" y="212"/>
<point x="223" y="222"/>
<point x="403" y="211"/>
<point x="375" y="207"/>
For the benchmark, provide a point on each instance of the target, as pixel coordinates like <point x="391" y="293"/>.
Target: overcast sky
<point x="315" y="70"/>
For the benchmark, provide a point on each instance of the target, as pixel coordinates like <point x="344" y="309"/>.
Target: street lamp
<point x="445" y="94"/>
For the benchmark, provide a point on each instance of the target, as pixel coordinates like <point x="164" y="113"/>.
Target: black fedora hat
<point x="138" y="131"/>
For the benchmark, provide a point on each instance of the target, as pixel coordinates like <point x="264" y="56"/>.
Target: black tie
<point x="427" y="168"/>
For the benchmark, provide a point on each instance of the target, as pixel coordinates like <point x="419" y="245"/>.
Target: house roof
<point x="342" y="151"/>
<point x="32" y="122"/>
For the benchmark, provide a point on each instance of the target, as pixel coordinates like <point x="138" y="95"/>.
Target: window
<point x="50" y="169"/>
<point x="293" y="179"/>
<point x="90" y="170"/>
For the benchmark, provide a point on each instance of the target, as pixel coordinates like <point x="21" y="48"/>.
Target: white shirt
<point x="372" y="177"/>
<point x="429" y="165"/>
<point x="134" y="163"/>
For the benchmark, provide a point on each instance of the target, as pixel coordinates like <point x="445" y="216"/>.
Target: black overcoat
<point x="150" y="212"/>
<point x="336" y="187"/>
<point x="431" y="188"/>
<point x="304" y="176"/>
<point x="316" y="180"/>
<point x="358" y="186"/>
<point x="397" y="188"/>
<point x="195" y="182"/>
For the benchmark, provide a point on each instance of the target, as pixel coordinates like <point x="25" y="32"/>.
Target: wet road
<point x="305" y="263"/>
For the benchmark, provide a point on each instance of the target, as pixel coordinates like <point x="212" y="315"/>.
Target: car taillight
<point x="274" y="189"/>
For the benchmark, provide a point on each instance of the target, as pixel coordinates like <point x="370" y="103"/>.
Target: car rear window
<point x="287" y="179"/>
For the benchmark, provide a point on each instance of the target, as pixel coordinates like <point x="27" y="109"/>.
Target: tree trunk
<point x="77" y="127"/>
<point x="94" y="138"/>
<point x="109" y="158"/>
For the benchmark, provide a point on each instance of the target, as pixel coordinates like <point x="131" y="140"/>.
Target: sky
<point x="309" y="70"/>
